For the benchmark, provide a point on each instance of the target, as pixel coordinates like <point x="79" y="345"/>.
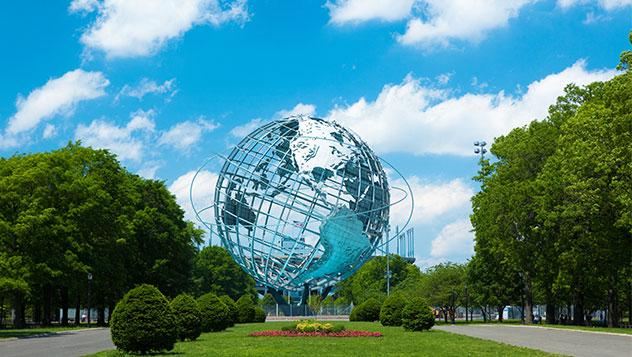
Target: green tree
<point x="216" y="271"/>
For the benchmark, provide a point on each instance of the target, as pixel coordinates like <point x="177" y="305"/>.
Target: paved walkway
<point x="67" y="343"/>
<point x="566" y="342"/>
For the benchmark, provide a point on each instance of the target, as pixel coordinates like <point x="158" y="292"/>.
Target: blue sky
<point x="166" y="83"/>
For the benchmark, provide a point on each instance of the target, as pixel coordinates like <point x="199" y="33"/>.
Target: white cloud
<point x="455" y="240"/>
<point x="608" y="5"/>
<point x="49" y="131"/>
<point x="133" y="28"/>
<point x="186" y="134"/>
<point x="58" y="96"/>
<point x="409" y="117"/>
<point x="300" y="108"/>
<point x="147" y="86"/>
<point x="128" y="142"/>
<point x="148" y="170"/>
<point x="202" y="194"/>
<point x="245" y="129"/>
<point x="355" y="11"/>
<point x="432" y="200"/>
<point x="444" y="21"/>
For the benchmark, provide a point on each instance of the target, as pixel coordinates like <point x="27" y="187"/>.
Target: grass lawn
<point x="25" y="332"/>
<point x="395" y="342"/>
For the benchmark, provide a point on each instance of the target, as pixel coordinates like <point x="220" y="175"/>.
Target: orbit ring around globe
<point x="300" y="202"/>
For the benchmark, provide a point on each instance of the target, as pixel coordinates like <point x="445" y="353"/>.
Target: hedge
<point x="391" y="311"/>
<point x="367" y="311"/>
<point x="215" y="314"/>
<point x="143" y="322"/>
<point x="245" y="309"/>
<point x="417" y="315"/>
<point x="187" y="317"/>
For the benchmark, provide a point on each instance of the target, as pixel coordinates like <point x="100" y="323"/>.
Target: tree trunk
<point x="1" y="311"/>
<point x="613" y="309"/>
<point x="78" y="309"/>
<point x="47" y="305"/>
<point x="64" y="305"/>
<point x="528" y="300"/>
<point x="18" y="306"/>
<point x="484" y="313"/>
<point x="100" y="315"/>
<point x="37" y="313"/>
<point x="445" y="315"/>
<point x="578" y="313"/>
<point x="500" y="309"/>
<point x="110" y="309"/>
<point x="550" y="313"/>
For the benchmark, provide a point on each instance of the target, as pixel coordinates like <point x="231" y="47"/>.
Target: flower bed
<point x="311" y="328"/>
<point x="345" y="333"/>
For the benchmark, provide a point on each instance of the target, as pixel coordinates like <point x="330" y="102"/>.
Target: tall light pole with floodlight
<point x="480" y="148"/>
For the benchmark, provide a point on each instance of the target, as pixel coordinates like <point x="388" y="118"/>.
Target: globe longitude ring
<point x="300" y="201"/>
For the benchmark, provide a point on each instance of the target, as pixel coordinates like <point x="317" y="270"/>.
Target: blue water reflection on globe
<point x="301" y="201"/>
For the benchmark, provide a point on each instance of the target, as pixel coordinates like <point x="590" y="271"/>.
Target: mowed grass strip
<point x="34" y="331"/>
<point x="394" y="342"/>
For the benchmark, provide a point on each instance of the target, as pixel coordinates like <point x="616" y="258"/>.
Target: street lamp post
<point x="480" y="148"/>
<point x="388" y="264"/>
<point x="89" y="287"/>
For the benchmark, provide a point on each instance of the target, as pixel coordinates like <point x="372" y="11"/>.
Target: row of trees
<point x="75" y="212"/>
<point x="553" y="219"/>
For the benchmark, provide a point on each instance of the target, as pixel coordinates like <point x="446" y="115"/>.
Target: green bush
<point x="245" y="309"/>
<point x="215" y="314"/>
<point x="187" y="317"/>
<point x="367" y="311"/>
<point x="232" y="309"/>
<point x="391" y="311"/>
<point x="260" y="315"/>
<point x="417" y="315"/>
<point x="143" y="322"/>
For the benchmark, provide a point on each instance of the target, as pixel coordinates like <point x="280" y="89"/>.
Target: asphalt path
<point x="565" y="342"/>
<point x="67" y="343"/>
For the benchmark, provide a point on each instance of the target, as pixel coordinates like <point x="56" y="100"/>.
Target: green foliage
<point x="143" y="322"/>
<point x="98" y="218"/>
<point x="391" y="311"/>
<point x="370" y="280"/>
<point x="215" y="271"/>
<point x="553" y="219"/>
<point x="417" y="315"/>
<point x="187" y="317"/>
<point x="268" y="300"/>
<point x="260" y="315"/>
<point x="232" y="309"/>
<point x="215" y="315"/>
<point x="245" y="309"/>
<point x="367" y="311"/>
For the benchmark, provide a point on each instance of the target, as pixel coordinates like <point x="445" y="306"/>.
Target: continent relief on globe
<point x="342" y="235"/>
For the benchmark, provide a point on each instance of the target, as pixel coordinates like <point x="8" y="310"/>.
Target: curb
<point x="560" y="329"/>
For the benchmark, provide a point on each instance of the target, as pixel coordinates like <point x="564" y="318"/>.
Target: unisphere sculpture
<point x="300" y="201"/>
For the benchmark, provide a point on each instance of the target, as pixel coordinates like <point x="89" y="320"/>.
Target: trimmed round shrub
<point x="214" y="313"/>
<point x="143" y="322"/>
<point x="187" y="317"/>
<point x="260" y="315"/>
<point x="391" y="311"/>
<point x="367" y="311"/>
<point x="245" y="309"/>
<point x="232" y="308"/>
<point x="417" y="315"/>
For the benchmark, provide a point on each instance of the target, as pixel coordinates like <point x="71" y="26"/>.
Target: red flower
<point x="345" y="333"/>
